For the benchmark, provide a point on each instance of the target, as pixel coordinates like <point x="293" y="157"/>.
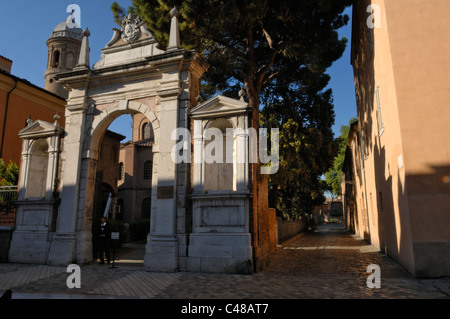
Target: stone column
<point x="24" y="169"/>
<point x="53" y="159"/>
<point x="162" y="244"/>
<point x="62" y="249"/>
<point x="198" y="182"/>
<point x="242" y="156"/>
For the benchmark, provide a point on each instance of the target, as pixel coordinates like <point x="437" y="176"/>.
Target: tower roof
<point x="67" y="29"/>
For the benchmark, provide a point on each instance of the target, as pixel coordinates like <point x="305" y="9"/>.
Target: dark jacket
<point x="104" y="232"/>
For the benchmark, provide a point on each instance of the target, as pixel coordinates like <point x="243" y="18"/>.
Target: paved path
<point x="327" y="263"/>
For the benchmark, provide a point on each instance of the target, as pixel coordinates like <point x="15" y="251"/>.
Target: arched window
<point x="121" y="172"/>
<point x="146" y="131"/>
<point x="146" y="208"/>
<point x="148" y="168"/>
<point x="56" y="57"/>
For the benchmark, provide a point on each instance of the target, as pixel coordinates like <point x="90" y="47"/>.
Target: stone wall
<point x="287" y="229"/>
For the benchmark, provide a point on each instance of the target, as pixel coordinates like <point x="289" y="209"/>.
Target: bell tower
<point x="63" y="50"/>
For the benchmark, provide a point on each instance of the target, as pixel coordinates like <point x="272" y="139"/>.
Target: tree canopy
<point x="334" y="174"/>
<point x="278" y="51"/>
<point x="9" y="173"/>
<point x="260" y="44"/>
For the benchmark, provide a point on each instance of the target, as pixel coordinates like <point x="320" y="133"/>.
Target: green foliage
<point x="304" y="116"/>
<point x="139" y="230"/>
<point x="334" y="175"/>
<point x="9" y="173"/>
<point x="279" y="51"/>
<point x="259" y="44"/>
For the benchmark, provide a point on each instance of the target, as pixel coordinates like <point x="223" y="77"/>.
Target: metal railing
<point x="8" y="194"/>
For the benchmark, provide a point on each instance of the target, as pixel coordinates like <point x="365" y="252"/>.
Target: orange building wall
<point x="403" y="184"/>
<point x="25" y="101"/>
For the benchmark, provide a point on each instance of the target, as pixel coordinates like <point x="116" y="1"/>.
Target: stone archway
<point x="126" y="80"/>
<point x="92" y="145"/>
<point x="109" y="114"/>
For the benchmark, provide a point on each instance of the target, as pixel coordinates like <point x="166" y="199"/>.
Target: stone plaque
<point x="165" y="192"/>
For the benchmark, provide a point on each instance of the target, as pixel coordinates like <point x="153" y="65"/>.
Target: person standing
<point x="104" y="235"/>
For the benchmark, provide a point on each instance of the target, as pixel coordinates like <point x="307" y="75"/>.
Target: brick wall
<point x="287" y="229"/>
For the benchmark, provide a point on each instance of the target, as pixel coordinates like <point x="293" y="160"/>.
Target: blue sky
<point x="26" y="25"/>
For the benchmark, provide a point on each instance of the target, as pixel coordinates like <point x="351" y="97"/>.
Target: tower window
<point x="56" y="58"/>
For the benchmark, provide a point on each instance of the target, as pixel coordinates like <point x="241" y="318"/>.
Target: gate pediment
<point x="219" y="106"/>
<point x="40" y="129"/>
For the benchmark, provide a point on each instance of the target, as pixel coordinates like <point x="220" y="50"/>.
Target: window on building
<point x="146" y="208"/>
<point x="372" y="216"/>
<point x="56" y="57"/>
<point x="362" y="143"/>
<point x="146" y="128"/>
<point x="379" y="115"/>
<point x="148" y="168"/>
<point x="121" y="172"/>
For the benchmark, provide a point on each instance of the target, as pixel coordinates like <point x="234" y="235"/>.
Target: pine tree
<point x="278" y="51"/>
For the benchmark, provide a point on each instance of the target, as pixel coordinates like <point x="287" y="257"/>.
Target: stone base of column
<point x="32" y="236"/>
<point x="62" y="250"/>
<point x="220" y="253"/>
<point x="29" y="247"/>
<point x="84" y="249"/>
<point x="161" y="253"/>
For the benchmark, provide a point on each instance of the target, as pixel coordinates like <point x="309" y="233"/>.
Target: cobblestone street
<point x="329" y="263"/>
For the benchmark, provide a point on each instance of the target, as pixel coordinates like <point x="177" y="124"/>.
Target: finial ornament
<point x="83" y="59"/>
<point x="86" y="32"/>
<point x="241" y="94"/>
<point x="56" y="117"/>
<point x="174" y="37"/>
<point x="174" y="12"/>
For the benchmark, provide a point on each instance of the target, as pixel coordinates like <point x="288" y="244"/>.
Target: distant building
<point x="397" y="167"/>
<point x="136" y="171"/>
<point x="107" y="176"/>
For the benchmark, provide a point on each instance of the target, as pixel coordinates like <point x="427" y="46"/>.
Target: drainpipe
<point x="6" y="114"/>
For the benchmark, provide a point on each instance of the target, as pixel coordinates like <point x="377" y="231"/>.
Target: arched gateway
<point x="192" y="228"/>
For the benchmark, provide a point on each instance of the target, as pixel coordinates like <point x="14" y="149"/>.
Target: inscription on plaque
<point x="165" y="192"/>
